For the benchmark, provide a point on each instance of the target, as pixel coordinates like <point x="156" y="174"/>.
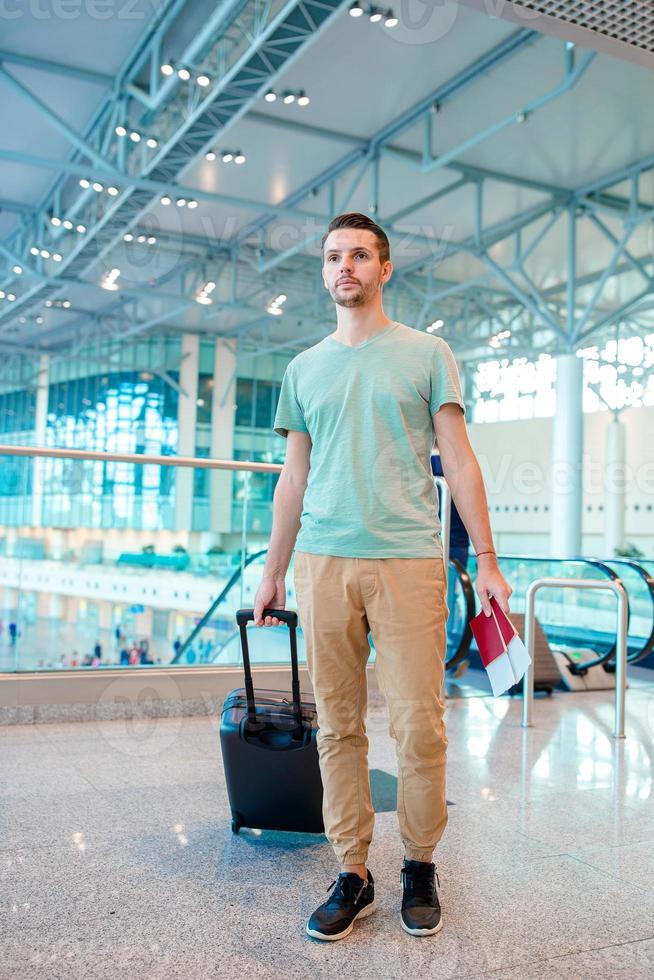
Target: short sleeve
<point x="445" y="383"/>
<point x="289" y="414"/>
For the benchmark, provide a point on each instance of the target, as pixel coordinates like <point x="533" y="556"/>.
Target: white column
<point x="615" y="489"/>
<point x="40" y="422"/>
<point x="186" y="420"/>
<point x="222" y="434"/>
<point x="567" y="447"/>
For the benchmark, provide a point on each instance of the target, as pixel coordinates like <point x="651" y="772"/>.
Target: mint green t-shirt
<point x="368" y="409"/>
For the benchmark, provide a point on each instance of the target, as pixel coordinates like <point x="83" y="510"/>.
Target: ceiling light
<point x="151" y="240"/>
<point x="184" y="74"/>
<point x="203" y="81"/>
<point x="44" y="253"/>
<point x="274" y="307"/>
<point x="391" y="19"/>
<point x="167" y="69"/>
<point x="141" y="239"/>
<point x="210" y="155"/>
<point x="80" y="229"/>
<point x="192" y="204"/>
<point x="239" y="158"/>
<point x="303" y="99"/>
<point x="135" y="137"/>
<point x="270" y="96"/>
<point x="11" y="297"/>
<point x="227" y="157"/>
<point x="203" y="295"/>
<point x="108" y="281"/>
<point x="84" y="183"/>
<point x="120" y="131"/>
<point x="113" y="191"/>
<point x="355" y="10"/>
<point x="128" y="237"/>
<point x="289" y="97"/>
<point x="2" y="294"/>
<point x="68" y="224"/>
<point x="375" y="15"/>
<point x="34" y="250"/>
<point x="18" y="270"/>
<point x="165" y="199"/>
<point x="56" y="257"/>
<point x="55" y="221"/>
<point x="152" y="142"/>
<point x="39" y="319"/>
<point x="66" y="304"/>
<point x="97" y="186"/>
<point x="48" y="303"/>
<point x="181" y="202"/>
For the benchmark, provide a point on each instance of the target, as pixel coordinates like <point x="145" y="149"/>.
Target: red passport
<point x="489" y="639"/>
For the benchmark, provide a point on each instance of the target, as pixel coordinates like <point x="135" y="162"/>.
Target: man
<point x="360" y="410"/>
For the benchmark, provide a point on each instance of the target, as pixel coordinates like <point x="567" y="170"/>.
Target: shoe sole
<point x="368" y="910"/>
<point x="422" y="932"/>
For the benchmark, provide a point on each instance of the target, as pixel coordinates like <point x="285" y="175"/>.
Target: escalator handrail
<point x="649" y="581"/>
<point x="469" y="599"/>
<point x="595" y="562"/>
<point x="214" y="605"/>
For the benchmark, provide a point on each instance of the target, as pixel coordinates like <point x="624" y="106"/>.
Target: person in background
<point x="459" y="537"/>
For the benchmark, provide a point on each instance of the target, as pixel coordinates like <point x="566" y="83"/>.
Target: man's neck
<point x="354" y="326"/>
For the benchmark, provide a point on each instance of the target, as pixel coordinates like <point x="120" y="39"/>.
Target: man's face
<point x="351" y="269"/>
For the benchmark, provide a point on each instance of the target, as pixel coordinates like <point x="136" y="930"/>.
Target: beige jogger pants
<point x="402" y="601"/>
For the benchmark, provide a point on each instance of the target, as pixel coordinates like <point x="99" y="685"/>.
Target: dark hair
<point x="354" y="219"/>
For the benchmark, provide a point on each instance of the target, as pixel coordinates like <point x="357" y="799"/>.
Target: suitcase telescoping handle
<point x="288" y="616"/>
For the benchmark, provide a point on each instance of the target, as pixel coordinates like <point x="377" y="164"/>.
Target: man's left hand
<point x="491" y="582"/>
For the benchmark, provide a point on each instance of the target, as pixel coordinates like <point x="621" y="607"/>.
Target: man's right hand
<point x="271" y="594"/>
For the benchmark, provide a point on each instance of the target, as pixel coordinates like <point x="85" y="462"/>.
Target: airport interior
<point x="168" y="171"/>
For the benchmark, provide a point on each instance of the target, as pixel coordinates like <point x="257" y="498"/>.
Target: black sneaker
<point x="353" y="898"/>
<point x="421" y="909"/>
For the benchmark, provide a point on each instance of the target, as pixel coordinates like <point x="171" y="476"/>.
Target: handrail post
<point x="620" y="649"/>
<point x="530" y="642"/>
<point x="620" y="660"/>
<point x="445" y="500"/>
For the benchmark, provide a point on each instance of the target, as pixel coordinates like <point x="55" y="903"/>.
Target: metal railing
<point x="445" y="500"/>
<point x="140" y="459"/>
<point x="620" y="647"/>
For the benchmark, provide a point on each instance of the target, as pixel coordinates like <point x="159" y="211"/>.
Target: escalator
<point x="216" y="630"/>
<point x="580" y="625"/>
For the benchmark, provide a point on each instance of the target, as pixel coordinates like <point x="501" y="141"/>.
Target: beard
<point x="358" y="296"/>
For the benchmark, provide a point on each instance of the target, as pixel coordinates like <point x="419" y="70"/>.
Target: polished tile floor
<point x="117" y="859"/>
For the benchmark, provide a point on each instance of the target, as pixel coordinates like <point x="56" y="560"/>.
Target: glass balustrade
<point x="91" y="574"/>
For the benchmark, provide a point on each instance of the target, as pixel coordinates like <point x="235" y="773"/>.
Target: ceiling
<point x="397" y="116"/>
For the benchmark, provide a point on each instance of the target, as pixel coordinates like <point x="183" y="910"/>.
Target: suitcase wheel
<point x="236" y="826"/>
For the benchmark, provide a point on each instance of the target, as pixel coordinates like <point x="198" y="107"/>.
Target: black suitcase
<point x="269" y="748"/>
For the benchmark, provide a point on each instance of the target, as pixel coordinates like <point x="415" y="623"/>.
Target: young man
<point x="360" y="410"/>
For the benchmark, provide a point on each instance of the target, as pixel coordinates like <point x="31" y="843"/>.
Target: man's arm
<point x="287" y="510"/>
<point x="463" y="475"/>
